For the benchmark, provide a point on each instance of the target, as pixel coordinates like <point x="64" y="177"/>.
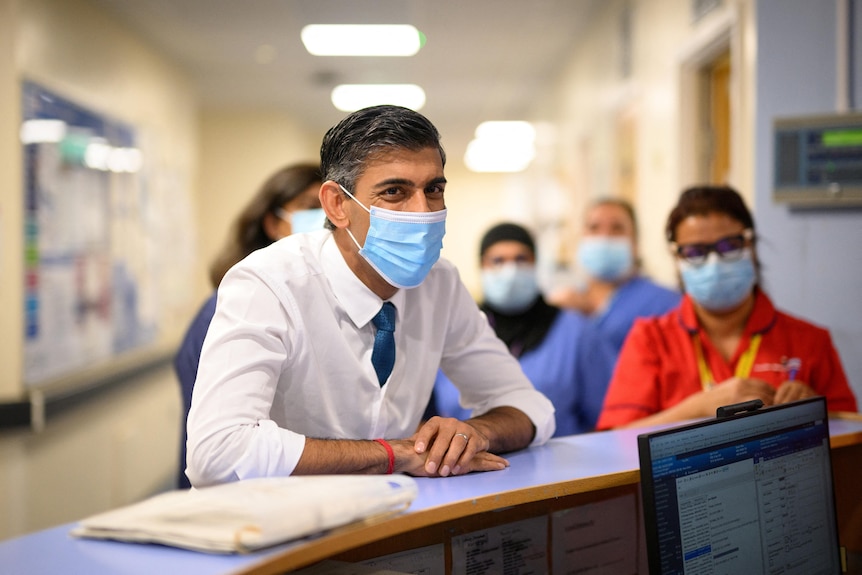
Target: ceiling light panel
<point x="361" y="40"/>
<point x="352" y="97"/>
<point x="501" y="147"/>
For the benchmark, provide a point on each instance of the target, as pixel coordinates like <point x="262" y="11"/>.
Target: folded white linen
<point x="251" y="514"/>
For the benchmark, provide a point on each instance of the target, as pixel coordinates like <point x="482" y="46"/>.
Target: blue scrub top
<point x="638" y="297"/>
<point x="186" y="367"/>
<point x="572" y="367"/>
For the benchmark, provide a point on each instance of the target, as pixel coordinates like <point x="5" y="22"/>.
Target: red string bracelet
<point x="390" y="453"/>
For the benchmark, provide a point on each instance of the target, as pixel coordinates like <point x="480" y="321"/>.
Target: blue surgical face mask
<point x="307" y="220"/>
<point x="606" y="258"/>
<point x="717" y="284"/>
<point x="510" y="288"/>
<point x="402" y="246"/>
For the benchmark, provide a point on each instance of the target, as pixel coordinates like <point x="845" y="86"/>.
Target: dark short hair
<point x="506" y="232"/>
<point x="368" y="132"/>
<point x="703" y="200"/>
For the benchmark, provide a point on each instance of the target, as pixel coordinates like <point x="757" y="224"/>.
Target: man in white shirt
<point x="291" y="380"/>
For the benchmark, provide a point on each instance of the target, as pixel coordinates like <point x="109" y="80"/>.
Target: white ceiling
<point x="483" y="60"/>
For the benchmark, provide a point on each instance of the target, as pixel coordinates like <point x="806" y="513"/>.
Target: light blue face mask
<point x="510" y="288"/>
<point x="606" y="258"/>
<point x="719" y="285"/>
<point x="402" y="246"/>
<point x="302" y="221"/>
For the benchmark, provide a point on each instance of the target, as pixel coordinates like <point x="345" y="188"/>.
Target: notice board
<point x="94" y="243"/>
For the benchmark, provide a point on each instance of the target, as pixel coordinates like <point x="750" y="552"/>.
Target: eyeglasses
<point x="730" y="248"/>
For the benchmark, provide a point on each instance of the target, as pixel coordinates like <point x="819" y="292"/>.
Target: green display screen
<point x="839" y="138"/>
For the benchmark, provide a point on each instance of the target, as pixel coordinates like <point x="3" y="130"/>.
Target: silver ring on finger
<point x="464" y="435"/>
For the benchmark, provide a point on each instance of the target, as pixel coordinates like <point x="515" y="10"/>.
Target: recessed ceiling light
<point x="501" y="147"/>
<point x="362" y="40"/>
<point x="509" y="131"/>
<point x="352" y="97"/>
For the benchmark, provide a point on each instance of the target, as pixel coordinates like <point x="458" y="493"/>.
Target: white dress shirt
<point x="288" y="356"/>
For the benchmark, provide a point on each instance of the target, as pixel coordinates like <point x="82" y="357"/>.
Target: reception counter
<point x="543" y="482"/>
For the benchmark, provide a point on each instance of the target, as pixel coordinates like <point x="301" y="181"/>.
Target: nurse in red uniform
<point x="725" y="343"/>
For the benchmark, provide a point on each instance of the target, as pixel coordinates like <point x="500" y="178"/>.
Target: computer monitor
<point x="746" y="494"/>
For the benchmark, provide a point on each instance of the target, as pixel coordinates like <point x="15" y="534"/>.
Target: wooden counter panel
<point x="847" y="472"/>
<point x="438" y="524"/>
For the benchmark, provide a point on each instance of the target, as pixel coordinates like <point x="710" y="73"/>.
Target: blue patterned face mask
<point x="402" y="246"/>
<point x="605" y="258"/>
<point x="717" y="284"/>
<point x="307" y="220"/>
<point x="510" y="288"/>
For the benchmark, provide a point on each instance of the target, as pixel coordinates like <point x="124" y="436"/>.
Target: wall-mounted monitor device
<point x="818" y="160"/>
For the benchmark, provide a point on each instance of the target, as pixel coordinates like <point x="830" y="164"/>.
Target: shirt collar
<point x="360" y="303"/>
<point x="762" y="316"/>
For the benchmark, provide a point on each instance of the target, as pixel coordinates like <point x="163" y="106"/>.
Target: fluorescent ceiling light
<point x="501" y="147"/>
<point x="362" y="40"/>
<point x="352" y="97"/>
<point x="509" y="131"/>
<point x="491" y="156"/>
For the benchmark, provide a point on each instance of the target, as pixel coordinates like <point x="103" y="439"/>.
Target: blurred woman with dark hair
<point x="726" y="342"/>
<point x="286" y="203"/>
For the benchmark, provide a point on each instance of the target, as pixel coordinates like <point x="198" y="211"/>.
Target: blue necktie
<point x="383" y="355"/>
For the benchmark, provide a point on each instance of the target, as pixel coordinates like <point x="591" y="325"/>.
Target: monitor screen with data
<point x="747" y="494"/>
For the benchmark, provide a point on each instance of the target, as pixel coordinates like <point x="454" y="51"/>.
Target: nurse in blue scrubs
<point x="615" y="292"/>
<point x="559" y="350"/>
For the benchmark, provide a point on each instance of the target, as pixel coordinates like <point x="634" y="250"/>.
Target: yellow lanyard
<point x="743" y="366"/>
